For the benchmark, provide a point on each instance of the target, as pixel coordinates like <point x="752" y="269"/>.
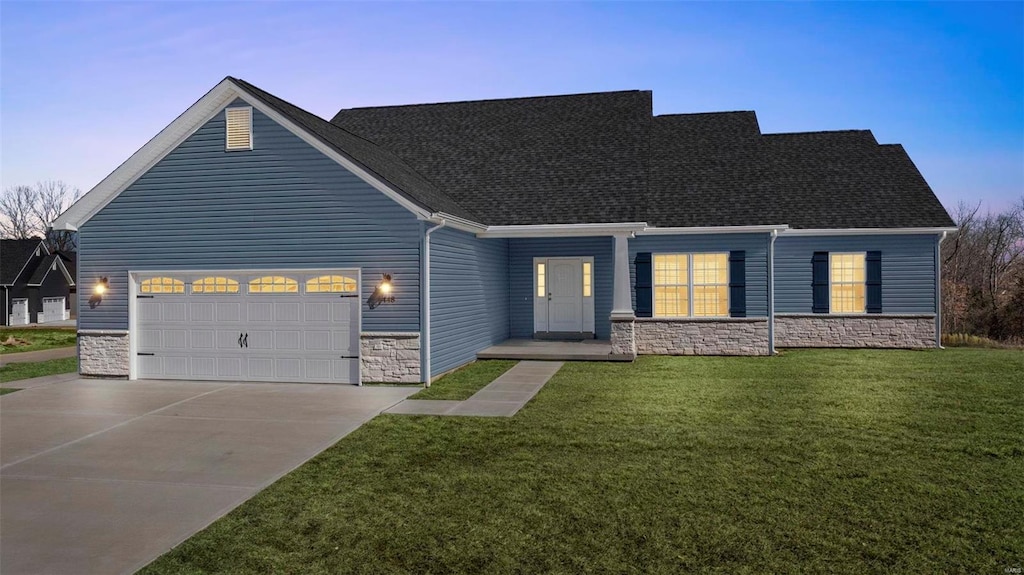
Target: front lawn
<point x="464" y="382"/>
<point x="6" y="390"/>
<point x="35" y="339"/>
<point x="16" y="371"/>
<point x="814" y="461"/>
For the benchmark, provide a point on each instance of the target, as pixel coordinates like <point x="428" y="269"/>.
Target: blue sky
<point x="84" y="85"/>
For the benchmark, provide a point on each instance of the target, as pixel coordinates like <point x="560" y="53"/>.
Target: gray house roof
<point x="14" y="254"/>
<point x="604" y="157"/>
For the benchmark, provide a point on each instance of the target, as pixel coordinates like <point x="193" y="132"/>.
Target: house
<point x="252" y="240"/>
<point x="36" y="286"/>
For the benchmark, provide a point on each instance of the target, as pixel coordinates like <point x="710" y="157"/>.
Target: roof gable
<point x="15" y="256"/>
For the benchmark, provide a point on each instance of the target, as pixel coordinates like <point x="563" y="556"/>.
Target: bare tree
<point x="17" y="215"/>
<point x="27" y="211"/>
<point x="52" y="198"/>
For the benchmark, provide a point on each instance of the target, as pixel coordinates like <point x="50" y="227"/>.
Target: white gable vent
<point x="239" y="128"/>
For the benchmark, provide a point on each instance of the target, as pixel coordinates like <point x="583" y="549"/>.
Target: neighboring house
<point x="253" y="240"/>
<point x="37" y="286"/>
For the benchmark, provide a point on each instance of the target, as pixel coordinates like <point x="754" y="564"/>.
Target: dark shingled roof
<point x="371" y="157"/>
<point x="553" y="159"/>
<point x="13" y="256"/>
<point x="604" y="157"/>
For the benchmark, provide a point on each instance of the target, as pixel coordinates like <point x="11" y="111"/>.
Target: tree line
<point x="27" y="211"/>
<point x="983" y="274"/>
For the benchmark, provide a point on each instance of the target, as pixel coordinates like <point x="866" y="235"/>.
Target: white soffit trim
<point x="714" y="230"/>
<point x="561" y="230"/>
<point x="178" y="131"/>
<point x="868" y="231"/>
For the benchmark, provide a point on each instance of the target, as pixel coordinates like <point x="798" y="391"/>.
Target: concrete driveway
<point x="102" y="476"/>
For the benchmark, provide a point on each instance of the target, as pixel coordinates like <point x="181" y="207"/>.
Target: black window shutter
<point x="873" y="275"/>
<point x="738" y="284"/>
<point x="644" y="293"/>
<point x="819" y="282"/>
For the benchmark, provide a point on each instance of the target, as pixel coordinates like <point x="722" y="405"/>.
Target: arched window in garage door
<point x="162" y="285"/>
<point x="331" y="284"/>
<point x="274" y="284"/>
<point x="215" y="284"/>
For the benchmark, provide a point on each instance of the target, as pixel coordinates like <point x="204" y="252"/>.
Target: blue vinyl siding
<point x="281" y="205"/>
<point x="469" y="298"/>
<point x="908" y="270"/>
<point x="755" y="246"/>
<point x="521" y="254"/>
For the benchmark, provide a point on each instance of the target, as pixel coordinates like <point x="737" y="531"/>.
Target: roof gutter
<point x="867" y="231"/>
<point x="561" y="230"/>
<point x="715" y="230"/>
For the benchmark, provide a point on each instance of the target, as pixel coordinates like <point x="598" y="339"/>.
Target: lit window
<point x="847" y="274"/>
<point x="331" y="284"/>
<point x="215" y="285"/>
<point x="162" y="285"/>
<point x="587" y="279"/>
<point x="273" y="284"/>
<point x="239" y="128"/>
<point x="710" y="285"/>
<point x="691" y="285"/>
<point x="671" y="285"/>
<point x="541" y="281"/>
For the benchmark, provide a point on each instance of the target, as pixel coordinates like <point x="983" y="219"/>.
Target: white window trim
<point x="831" y="300"/>
<point x="689" y="286"/>
<point x="227" y="146"/>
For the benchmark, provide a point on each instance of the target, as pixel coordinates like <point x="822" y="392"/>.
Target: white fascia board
<point x="868" y="232"/>
<point x="63" y="269"/>
<point x="562" y="230"/>
<point x="178" y="131"/>
<point x="714" y="230"/>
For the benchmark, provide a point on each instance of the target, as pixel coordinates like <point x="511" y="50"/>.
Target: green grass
<point x="859" y="462"/>
<point x="6" y="390"/>
<point x="38" y="339"/>
<point x="16" y="371"/>
<point x="464" y="382"/>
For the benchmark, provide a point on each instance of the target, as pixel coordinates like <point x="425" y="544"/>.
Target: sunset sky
<point x="84" y="85"/>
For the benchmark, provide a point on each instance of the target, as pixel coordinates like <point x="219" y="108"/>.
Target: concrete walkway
<point x="41" y="355"/>
<point x="102" y="476"/>
<point x="503" y="397"/>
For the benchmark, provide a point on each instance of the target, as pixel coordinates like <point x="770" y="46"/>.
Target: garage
<point x="265" y="325"/>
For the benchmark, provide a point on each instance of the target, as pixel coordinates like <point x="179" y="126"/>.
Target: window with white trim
<point x="331" y="284"/>
<point x="847" y="282"/>
<point x="541" y="279"/>
<point x="691" y="285"/>
<point x="238" y="131"/>
<point x="588" y="279"/>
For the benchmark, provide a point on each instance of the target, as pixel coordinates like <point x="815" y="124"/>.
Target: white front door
<point x="563" y="295"/>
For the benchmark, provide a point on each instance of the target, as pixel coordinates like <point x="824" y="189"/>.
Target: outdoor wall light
<point x="98" y="290"/>
<point x="382" y="293"/>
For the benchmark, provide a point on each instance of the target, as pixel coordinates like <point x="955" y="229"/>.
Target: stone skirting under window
<point x="701" y="336"/>
<point x="103" y="353"/>
<point x="623" y="337"/>
<point x="390" y="357"/>
<point x="862" y="330"/>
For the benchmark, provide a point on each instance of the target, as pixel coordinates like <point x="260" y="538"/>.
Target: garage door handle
<point x="239" y="340"/>
<point x="246" y="340"/>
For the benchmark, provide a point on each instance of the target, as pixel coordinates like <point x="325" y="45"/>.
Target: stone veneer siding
<point x="703" y="336"/>
<point x="390" y="357"/>
<point x="103" y="353"/>
<point x="871" y="330"/>
<point x="623" y="337"/>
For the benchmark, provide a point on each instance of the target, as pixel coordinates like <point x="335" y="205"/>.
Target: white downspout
<point x="771" y="292"/>
<point x="425" y="337"/>
<point x="938" y="291"/>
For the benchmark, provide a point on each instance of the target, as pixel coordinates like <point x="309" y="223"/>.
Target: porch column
<point x="623" y="320"/>
<point x="622" y="306"/>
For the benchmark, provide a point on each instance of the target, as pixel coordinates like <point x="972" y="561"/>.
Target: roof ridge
<point x="678" y="114"/>
<point x="488" y="100"/>
<point x="818" y="132"/>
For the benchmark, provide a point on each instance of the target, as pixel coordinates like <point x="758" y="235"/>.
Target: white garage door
<point x="274" y="325"/>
